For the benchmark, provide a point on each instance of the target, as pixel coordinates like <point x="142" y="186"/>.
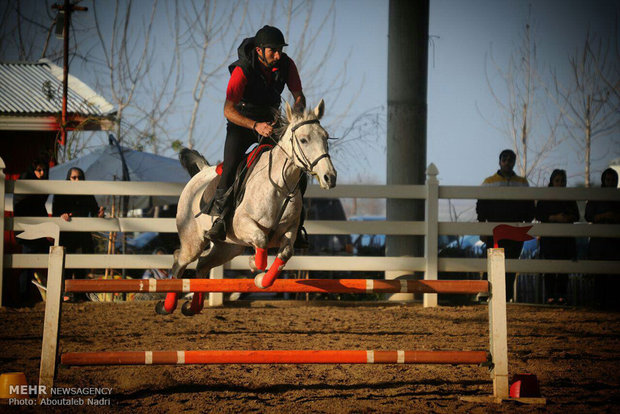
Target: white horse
<point x="258" y="221"/>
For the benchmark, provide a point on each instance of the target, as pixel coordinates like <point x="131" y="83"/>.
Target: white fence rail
<point x="431" y="229"/>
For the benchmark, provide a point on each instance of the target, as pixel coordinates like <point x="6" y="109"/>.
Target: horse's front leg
<point x="247" y="229"/>
<point x="265" y="280"/>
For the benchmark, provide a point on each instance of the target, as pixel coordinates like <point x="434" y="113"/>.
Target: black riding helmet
<point x="269" y="36"/>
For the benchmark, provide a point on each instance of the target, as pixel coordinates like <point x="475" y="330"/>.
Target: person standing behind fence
<point x="559" y="248"/>
<point x="605" y="248"/>
<point x="70" y="205"/>
<point x="158" y="274"/>
<point x="504" y="211"/>
<point x="31" y="205"/>
<point x="154" y="273"/>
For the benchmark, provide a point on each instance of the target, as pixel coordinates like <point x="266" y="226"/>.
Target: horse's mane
<point x="283" y="123"/>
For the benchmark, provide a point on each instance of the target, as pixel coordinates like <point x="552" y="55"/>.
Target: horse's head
<point x="307" y="141"/>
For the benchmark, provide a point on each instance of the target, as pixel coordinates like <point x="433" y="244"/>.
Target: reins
<point x="305" y="162"/>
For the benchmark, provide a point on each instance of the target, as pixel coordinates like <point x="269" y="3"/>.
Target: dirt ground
<point x="574" y="353"/>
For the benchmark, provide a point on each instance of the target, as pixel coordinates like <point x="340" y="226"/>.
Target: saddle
<point x="237" y="190"/>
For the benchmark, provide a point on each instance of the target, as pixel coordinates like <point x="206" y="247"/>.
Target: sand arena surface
<point x="574" y="353"/>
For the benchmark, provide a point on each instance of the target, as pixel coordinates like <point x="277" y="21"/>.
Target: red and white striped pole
<point x="274" y="357"/>
<point x="280" y="286"/>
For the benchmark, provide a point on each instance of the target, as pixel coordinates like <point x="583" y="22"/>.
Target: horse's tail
<point x="192" y="161"/>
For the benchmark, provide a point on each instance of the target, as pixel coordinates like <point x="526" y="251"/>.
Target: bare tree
<point x="530" y="121"/>
<point x="136" y="54"/>
<point x="208" y="28"/>
<point x="313" y="37"/>
<point x="611" y="77"/>
<point x="591" y="102"/>
<point x="302" y="26"/>
<point x="26" y="29"/>
<point x="22" y="31"/>
<point x="125" y="61"/>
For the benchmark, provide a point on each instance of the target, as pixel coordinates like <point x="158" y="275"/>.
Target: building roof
<point x="34" y="89"/>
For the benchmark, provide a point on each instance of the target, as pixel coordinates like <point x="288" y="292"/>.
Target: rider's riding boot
<point x="217" y="232"/>
<point x="215" y="206"/>
<point x="301" y="241"/>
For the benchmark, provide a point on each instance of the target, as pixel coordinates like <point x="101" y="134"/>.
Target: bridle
<point x="303" y="159"/>
<point x="307" y="166"/>
<point x="299" y="154"/>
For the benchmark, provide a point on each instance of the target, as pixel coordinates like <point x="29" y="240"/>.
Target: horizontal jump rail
<point x="274" y="357"/>
<point x="279" y="286"/>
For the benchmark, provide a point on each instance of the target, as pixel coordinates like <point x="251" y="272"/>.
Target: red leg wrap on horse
<point x="196" y="305"/>
<point x="170" y="304"/>
<point x="260" y="258"/>
<point x="274" y="272"/>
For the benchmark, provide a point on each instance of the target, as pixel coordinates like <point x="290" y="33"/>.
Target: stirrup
<point x="301" y="241"/>
<point x="217" y="232"/>
<point x="216" y="205"/>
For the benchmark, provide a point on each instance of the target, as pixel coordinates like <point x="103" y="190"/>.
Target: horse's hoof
<point x="186" y="309"/>
<point x="160" y="309"/>
<point x="258" y="281"/>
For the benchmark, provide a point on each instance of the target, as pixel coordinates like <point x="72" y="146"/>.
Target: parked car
<point x="326" y="209"/>
<point x="469" y="245"/>
<point x="147" y="242"/>
<point x="368" y="244"/>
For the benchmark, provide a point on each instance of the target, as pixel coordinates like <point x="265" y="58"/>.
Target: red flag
<point x="506" y="232"/>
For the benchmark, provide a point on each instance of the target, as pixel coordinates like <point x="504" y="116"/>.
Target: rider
<point x="252" y="102"/>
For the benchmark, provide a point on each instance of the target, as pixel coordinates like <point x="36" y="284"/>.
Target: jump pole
<point x="280" y="286"/>
<point x="51" y="323"/>
<point x="498" y="333"/>
<point x="274" y="357"/>
<point x="53" y="302"/>
<point x="497" y="324"/>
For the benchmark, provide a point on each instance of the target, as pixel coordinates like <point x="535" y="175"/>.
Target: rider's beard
<point x="267" y="65"/>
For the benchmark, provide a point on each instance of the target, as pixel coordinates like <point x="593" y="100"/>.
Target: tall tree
<point x="160" y="63"/>
<point x="207" y="27"/>
<point x="530" y="121"/>
<point x="25" y="35"/>
<point x="590" y="100"/>
<point x="312" y="36"/>
<point x="127" y="54"/>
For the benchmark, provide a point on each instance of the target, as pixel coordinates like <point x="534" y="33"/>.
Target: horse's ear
<point x="289" y="111"/>
<point x="319" y="110"/>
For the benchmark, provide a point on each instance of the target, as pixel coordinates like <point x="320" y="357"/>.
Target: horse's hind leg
<point x="218" y="254"/>
<point x="182" y="257"/>
<point x="185" y="255"/>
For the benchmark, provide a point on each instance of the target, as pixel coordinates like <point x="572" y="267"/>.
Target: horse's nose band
<point x="307" y="165"/>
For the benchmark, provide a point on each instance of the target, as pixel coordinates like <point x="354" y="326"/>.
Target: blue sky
<point x="462" y="141"/>
<point x="467" y="31"/>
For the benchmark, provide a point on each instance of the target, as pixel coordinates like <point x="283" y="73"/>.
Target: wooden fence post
<point x="2" y="198"/>
<point x="51" y="324"/>
<point x="216" y="299"/>
<point x="498" y="335"/>
<point x="432" y="231"/>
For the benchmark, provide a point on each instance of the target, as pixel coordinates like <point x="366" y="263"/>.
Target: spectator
<point x="605" y="248"/>
<point x="157" y="273"/>
<point x="68" y="206"/>
<point x="153" y="274"/>
<point x="560" y="248"/>
<point x="31" y="205"/>
<point x="506" y="210"/>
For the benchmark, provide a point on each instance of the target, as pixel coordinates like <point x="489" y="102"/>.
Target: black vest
<point x="260" y="99"/>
